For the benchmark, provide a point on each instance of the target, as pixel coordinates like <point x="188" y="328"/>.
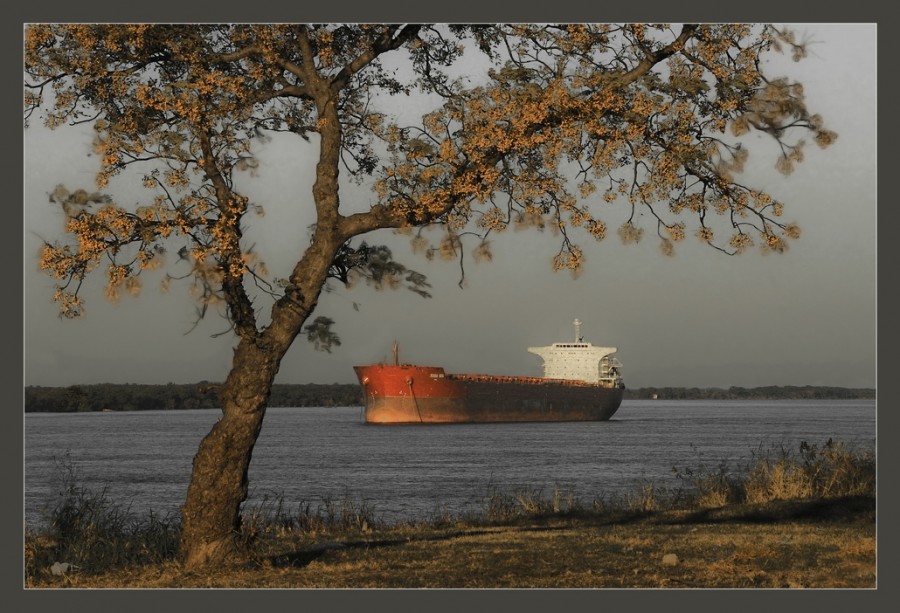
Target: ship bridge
<point x="580" y="361"/>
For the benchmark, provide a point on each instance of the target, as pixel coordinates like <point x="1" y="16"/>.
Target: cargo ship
<point x="581" y="382"/>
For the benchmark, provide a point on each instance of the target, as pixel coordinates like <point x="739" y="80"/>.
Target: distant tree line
<point x="174" y="397"/>
<point x="771" y="392"/>
<point x="204" y="395"/>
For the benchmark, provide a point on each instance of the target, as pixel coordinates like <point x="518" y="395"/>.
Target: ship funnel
<point x="577" y="323"/>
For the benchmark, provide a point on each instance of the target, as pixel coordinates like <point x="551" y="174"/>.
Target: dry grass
<point x="812" y="472"/>
<point x="786" y="521"/>
<point x="800" y="545"/>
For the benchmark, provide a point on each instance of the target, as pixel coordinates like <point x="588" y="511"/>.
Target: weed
<point x="813" y="473"/>
<point x="504" y="506"/>
<point x="89" y="533"/>
<point x="809" y="473"/>
<point x="645" y="498"/>
<point x="703" y="488"/>
<point x="272" y="518"/>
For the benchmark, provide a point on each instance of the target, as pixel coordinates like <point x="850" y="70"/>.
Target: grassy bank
<point x="803" y="518"/>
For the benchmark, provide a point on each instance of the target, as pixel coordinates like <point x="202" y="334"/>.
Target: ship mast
<point x="577" y="323"/>
<point x="396" y="352"/>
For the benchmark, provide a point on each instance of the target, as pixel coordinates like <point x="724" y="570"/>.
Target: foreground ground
<point x="818" y="544"/>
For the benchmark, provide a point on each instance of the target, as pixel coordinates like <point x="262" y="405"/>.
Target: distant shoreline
<point x="770" y="392"/>
<point x="203" y="395"/>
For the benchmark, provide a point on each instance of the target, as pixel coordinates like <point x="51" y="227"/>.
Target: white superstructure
<point x="580" y="361"/>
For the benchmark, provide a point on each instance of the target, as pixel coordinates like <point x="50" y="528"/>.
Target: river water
<point x="310" y="455"/>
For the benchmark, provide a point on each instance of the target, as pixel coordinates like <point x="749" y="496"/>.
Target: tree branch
<point x="385" y="43"/>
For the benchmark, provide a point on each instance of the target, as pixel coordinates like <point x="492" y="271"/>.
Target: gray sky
<point x="700" y="318"/>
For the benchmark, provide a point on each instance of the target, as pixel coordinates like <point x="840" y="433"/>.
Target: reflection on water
<point x="143" y="459"/>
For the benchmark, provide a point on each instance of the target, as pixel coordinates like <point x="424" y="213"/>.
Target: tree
<point x="563" y="123"/>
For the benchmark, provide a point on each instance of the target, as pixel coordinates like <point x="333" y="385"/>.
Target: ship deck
<point x="525" y="380"/>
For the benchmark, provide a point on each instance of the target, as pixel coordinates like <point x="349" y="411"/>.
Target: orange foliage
<point x="568" y="119"/>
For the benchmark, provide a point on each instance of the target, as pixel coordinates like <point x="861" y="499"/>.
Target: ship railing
<point x="616" y="381"/>
<point x="610" y="368"/>
<point x="606" y="382"/>
<point x="496" y="378"/>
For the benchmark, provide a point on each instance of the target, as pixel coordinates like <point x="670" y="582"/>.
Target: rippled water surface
<point x="143" y="459"/>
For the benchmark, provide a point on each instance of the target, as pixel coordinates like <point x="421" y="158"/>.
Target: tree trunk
<point x="211" y="515"/>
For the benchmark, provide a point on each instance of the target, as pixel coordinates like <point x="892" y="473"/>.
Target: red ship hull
<point x="405" y="394"/>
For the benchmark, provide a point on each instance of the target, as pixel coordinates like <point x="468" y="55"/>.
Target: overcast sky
<point x="700" y="318"/>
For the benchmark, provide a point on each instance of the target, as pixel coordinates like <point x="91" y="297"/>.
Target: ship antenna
<point x="396" y="351"/>
<point x="577" y="330"/>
